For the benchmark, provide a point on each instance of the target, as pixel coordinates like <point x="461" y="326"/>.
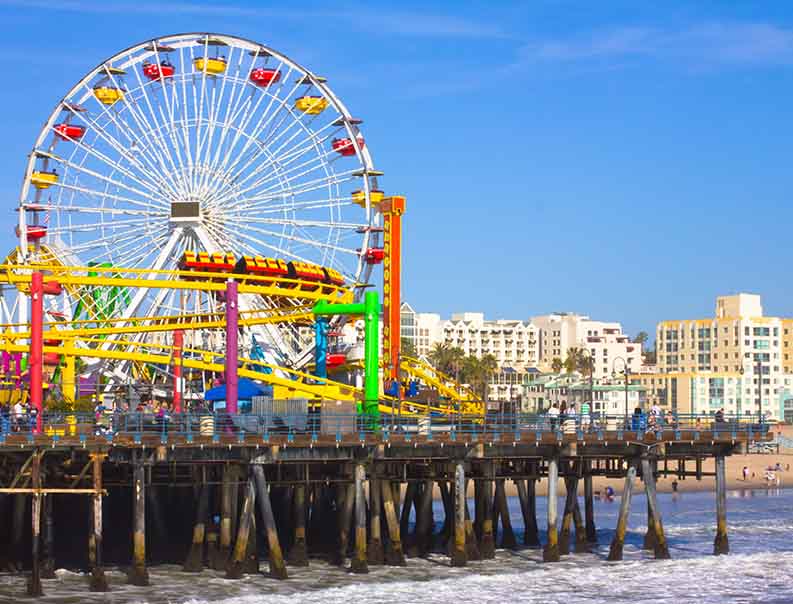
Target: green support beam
<point x="370" y="309"/>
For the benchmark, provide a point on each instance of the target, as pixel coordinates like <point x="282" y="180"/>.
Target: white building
<point x="610" y="348"/>
<point x="738" y="359"/>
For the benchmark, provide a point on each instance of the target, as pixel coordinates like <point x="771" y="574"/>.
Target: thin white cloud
<point x="377" y="22"/>
<point x="704" y="44"/>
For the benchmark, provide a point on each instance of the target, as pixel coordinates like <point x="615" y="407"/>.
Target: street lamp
<point x="625" y="373"/>
<point x="590" y="363"/>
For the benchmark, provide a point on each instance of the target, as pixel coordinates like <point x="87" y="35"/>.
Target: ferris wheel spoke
<point x="305" y="187"/>
<point x="314" y="164"/>
<point x="101" y="243"/>
<point x="124" y="152"/>
<point x="279" y="162"/>
<point x="263" y="122"/>
<point x="96" y="225"/>
<point x="111" y="181"/>
<point x="102" y="194"/>
<point x="147" y="151"/>
<point x="321" y="224"/>
<point x="305" y="241"/>
<point x="101" y="210"/>
<point x="332" y="203"/>
<point x="89" y="150"/>
<point x="285" y="253"/>
<point x="160" y="131"/>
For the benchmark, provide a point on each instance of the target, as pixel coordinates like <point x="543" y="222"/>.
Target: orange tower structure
<point x="392" y="209"/>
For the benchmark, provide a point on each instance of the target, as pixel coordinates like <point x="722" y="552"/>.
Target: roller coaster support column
<point x="232" y="316"/>
<point x="178" y="343"/>
<point x="392" y="209"/>
<point x="36" y="343"/>
<point x="321" y="347"/>
<point x="69" y="373"/>
<point x="370" y="309"/>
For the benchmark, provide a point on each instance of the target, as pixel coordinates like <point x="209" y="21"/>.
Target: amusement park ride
<point x="190" y="209"/>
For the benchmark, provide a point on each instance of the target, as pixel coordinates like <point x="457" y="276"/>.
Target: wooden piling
<point x="471" y="542"/>
<point x="358" y="563"/>
<point x="298" y="553"/>
<point x="374" y="549"/>
<point x="528" y="502"/>
<point x="224" y="545"/>
<point x="589" y="504"/>
<point x="508" y="540"/>
<point x="34" y="583"/>
<point x="487" y="544"/>
<point x="661" y="549"/>
<point x="345" y="498"/>
<point x="422" y="539"/>
<point x="393" y="547"/>
<point x="138" y="574"/>
<point x="571" y="486"/>
<point x="98" y="581"/>
<point x="550" y="552"/>
<point x="581" y="541"/>
<point x="411" y="493"/>
<point x="615" y="551"/>
<point x="234" y="570"/>
<point x="276" y="557"/>
<point x="194" y="563"/>
<point x="459" y="557"/>
<point x="48" y="539"/>
<point x="648" y="543"/>
<point x="721" y="545"/>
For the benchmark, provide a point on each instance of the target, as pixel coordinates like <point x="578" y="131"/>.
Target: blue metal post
<point x="321" y="347"/>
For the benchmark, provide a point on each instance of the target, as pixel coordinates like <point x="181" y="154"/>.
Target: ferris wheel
<point x="198" y="142"/>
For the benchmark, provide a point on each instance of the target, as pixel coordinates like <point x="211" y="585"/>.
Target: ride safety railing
<point x="315" y="424"/>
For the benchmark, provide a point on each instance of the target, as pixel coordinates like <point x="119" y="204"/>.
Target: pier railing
<point x="188" y="427"/>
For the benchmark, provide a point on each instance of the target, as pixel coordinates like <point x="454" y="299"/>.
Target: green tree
<point x="573" y="360"/>
<point x="478" y="371"/>
<point x="641" y="338"/>
<point x="556" y="365"/>
<point x="586" y="364"/>
<point x="408" y="348"/>
<point x="447" y="358"/>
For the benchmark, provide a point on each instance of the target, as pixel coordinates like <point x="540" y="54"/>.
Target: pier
<point x="342" y="491"/>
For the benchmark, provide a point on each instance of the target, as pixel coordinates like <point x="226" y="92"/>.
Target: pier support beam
<point x="551" y="551"/>
<point x="615" y="552"/>
<point x="661" y="549"/>
<point x="34" y="583"/>
<point x="571" y="486"/>
<point x="224" y="545"/>
<point x="581" y="541"/>
<point x="235" y="568"/>
<point x="358" y="562"/>
<point x="527" y="499"/>
<point x="194" y="563"/>
<point x="471" y="544"/>
<point x="138" y="575"/>
<point x="487" y="544"/>
<point x="345" y="503"/>
<point x="276" y="556"/>
<point x="411" y="494"/>
<point x="507" y="534"/>
<point x="374" y="549"/>
<point x="648" y="543"/>
<point x="98" y="581"/>
<point x="459" y="557"/>
<point x="48" y="539"/>
<point x="393" y="551"/>
<point x="721" y="545"/>
<point x="589" y="504"/>
<point x="422" y="539"/>
<point x="298" y="554"/>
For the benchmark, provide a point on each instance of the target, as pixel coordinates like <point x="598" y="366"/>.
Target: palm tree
<point x="477" y="372"/>
<point x="408" y="348"/>
<point x="573" y="360"/>
<point x="556" y="365"/>
<point x="446" y="358"/>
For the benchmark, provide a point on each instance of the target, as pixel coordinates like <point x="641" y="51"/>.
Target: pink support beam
<point x="36" y="343"/>
<point x="178" y="344"/>
<point x="232" y="330"/>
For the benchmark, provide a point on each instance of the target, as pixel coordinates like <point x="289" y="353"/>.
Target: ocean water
<point x="759" y="568"/>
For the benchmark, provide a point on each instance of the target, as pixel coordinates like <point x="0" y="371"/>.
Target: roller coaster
<point x="203" y="203"/>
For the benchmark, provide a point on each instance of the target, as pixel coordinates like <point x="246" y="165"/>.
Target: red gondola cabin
<point x="262" y="76"/>
<point x="69" y="131"/>
<point x="156" y="72"/>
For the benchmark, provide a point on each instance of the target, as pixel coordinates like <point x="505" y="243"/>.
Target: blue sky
<point x="625" y="160"/>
